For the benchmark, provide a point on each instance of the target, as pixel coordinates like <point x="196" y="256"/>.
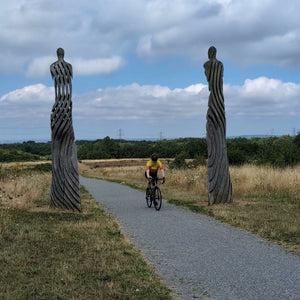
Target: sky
<point x="138" y="66"/>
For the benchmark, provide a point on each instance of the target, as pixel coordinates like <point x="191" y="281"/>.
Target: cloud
<point x="142" y="102"/>
<point x="245" y="32"/>
<point x="39" y="67"/>
<point x="258" y="97"/>
<point x="98" y="66"/>
<point x="263" y="97"/>
<point x="141" y="106"/>
<point x="239" y="29"/>
<point x="32" y="101"/>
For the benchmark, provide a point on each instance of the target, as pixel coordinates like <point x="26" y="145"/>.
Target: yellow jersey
<point x="153" y="166"/>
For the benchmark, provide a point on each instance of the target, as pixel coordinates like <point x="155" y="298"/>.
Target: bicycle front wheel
<point x="157" y="199"/>
<point x="148" y="197"/>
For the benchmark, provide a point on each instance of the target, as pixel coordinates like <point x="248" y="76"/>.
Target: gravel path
<point x="198" y="256"/>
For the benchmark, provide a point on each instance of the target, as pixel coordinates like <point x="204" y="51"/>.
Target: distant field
<point x="95" y="163"/>
<point x="266" y="199"/>
<point x="24" y="164"/>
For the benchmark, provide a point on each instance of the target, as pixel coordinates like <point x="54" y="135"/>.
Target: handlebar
<point x="156" y="179"/>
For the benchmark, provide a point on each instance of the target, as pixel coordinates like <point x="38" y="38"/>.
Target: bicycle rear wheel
<point x="148" y="198"/>
<point x="157" y="198"/>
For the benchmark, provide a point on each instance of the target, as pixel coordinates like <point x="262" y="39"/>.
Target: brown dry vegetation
<point x="51" y="254"/>
<point x="20" y="190"/>
<point x="266" y="199"/>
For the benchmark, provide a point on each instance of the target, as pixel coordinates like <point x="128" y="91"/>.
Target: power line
<point x="120" y="133"/>
<point x="161" y="135"/>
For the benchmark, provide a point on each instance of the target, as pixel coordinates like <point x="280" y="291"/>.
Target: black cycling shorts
<point x="153" y="175"/>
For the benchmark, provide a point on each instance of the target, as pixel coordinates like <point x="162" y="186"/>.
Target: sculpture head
<point x="212" y="52"/>
<point x="60" y="53"/>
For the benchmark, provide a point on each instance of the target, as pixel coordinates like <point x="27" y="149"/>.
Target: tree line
<point x="26" y="151"/>
<point x="277" y="151"/>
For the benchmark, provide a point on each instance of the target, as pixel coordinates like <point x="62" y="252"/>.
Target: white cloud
<point x="245" y="32"/>
<point x="97" y="66"/>
<point x="196" y="88"/>
<point x="32" y="101"/>
<point x="136" y="102"/>
<point x="258" y="97"/>
<point x="40" y="66"/>
<point x="265" y="99"/>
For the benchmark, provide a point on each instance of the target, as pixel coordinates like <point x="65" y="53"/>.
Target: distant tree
<point x="110" y="148"/>
<point x="196" y="147"/>
<point x="266" y="154"/>
<point x="286" y="151"/>
<point x="168" y="148"/>
<point x="127" y="150"/>
<point x="179" y="161"/>
<point x="277" y="151"/>
<point x="143" y="149"/>
<point x="236" y="157"/>
<point x="297" y="140"/>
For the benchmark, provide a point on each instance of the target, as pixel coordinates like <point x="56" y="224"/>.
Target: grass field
<point x="266" y="199"/>
<point x="51" y="254"/>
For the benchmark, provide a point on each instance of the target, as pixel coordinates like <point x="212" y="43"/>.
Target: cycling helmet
<point x="154" y="157"/>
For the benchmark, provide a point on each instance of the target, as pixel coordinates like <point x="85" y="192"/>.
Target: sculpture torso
<point x="214" y="73"/>
<point x="61" y="73"/>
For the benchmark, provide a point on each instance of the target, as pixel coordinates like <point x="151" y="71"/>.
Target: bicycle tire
<point x="148" y="199"/>
<point x="157" y="198"/>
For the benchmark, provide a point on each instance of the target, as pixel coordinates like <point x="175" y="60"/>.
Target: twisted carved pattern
<point x="219" y="183"/>
<point x="65" y="179"/>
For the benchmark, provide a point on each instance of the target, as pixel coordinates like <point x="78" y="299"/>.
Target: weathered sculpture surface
<point x="219" y="183"/>
<point x="65" y="179"/>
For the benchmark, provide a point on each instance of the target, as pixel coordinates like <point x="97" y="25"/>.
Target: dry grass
<point x="22" y="192"/>
<point x="19" y="189"/>
<point x="266" y="199"/>
<point x="258" y="180"/>
<point x="51" y="254"/>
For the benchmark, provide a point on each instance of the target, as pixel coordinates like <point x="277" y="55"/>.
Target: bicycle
<point x="153" y="194"/>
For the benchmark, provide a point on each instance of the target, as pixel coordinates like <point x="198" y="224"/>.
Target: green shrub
<point x="179" y="161"/>
<point x="43" y="167"/>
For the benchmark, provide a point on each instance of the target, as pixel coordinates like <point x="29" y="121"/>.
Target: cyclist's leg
<point x="154" y="182"/>
<point x="148" y="190"/>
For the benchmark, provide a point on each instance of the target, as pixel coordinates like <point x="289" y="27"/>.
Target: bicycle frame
<point x="154" y="195"/>
<point x="154" y="181"/>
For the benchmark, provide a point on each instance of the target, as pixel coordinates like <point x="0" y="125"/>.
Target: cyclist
<point x="152" y="168"/>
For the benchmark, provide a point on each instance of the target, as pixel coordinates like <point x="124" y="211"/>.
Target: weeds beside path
<point x="50" y="254"/>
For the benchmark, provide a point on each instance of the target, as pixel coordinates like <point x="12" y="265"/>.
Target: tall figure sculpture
<point x="219" y="184"/>
<point x="65" y="179"/>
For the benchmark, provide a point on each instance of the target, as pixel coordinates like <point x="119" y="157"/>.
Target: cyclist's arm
<point x="161" y="169"/>
<point x="148" y="169"/>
